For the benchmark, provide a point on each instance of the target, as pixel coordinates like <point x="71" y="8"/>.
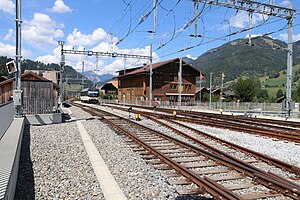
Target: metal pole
<point x="180" y="84"/>
<point x="150" y="85"/>
<point x="289" y="67"/>
<point x="82" y="77"/>
<point x="66" y="88"/>
<point x="222" y="82"/>
<point x="196" y="18"/>
<point x="18" y="102"/>
<point x="97" y="62"/>
<point x="210" y="89"/>
<point x="155" y="2"/>
<point x="200" y="87"/>
<point x="124" y="66"/>
<point x="250" y="27"/>
<point x="62" y="63"/>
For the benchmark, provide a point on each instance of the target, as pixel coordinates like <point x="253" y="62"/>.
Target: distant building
<point x="200" y="93"/>
<point x="111" y="88"/>
<point x="50" y="75"/>
<point x="134" y="84"/>
<point x="229" y="94"/>
<point x="40" y="94"/>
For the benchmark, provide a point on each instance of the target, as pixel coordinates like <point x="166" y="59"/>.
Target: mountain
<point x="95" y="78"/>
<point x="267" y="56"/>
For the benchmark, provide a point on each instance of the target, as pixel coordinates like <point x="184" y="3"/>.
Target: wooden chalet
<point x="111" y="88"/>
<point x="134" y="85"/>
<point x="201" y="92"/>
<point x="40" y="94"/>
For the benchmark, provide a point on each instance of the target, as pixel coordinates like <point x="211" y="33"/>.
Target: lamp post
<point x="151" y="73"/>
<point x="62" y="64"/>
<point x="180" y="84"/>
<point x="210" y="89"/>
<point x="17" y="93"/>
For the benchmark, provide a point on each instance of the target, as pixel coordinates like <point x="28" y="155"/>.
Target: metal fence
<point x="245" y="108"/>
<point x="38" y="97"/>
<point x="250" y="108"/>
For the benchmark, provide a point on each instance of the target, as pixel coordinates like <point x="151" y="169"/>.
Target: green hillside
<point x="272" y="85"/>
<point x="236" y="58"/>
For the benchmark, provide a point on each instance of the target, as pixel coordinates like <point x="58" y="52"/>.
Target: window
<point x="173" y="86"/>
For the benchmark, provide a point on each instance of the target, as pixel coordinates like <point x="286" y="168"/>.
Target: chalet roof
<point x="154" y="66"/>
<point x="112" y="82"/>
<point x="202" y="88"/>
<point x="229" y="93"/>
<point x="26" y="74"/>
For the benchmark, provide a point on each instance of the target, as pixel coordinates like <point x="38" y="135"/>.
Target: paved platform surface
<point x="109" y="186"/>
<point x="9" y="158"/>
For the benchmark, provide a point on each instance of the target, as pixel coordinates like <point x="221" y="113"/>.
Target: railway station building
<point x="133" y="84"/>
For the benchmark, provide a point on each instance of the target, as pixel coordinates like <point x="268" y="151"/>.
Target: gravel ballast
<point x="136" y="179"/>
<point x="55" y="165"/>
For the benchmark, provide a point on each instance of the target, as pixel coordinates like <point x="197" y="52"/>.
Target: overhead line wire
<point x="141" y="21"/>
<point x="234" y="33"/>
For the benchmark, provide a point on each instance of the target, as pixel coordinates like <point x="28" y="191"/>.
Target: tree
<point x="279" y="93"/>
<point x="296" y="94"/>
<point x="263" y="94"/>
<point x="245" y="89"/>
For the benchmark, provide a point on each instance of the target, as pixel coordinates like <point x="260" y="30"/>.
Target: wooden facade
<point x="7" y="86"/>
<point x="134" y="85"/>
<point x="110" y="88"/>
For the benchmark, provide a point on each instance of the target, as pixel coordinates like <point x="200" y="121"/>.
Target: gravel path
<point x="54" y="165"/>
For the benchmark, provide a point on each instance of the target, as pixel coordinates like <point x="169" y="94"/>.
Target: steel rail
<point x="268" y="159"/>
<point x="213" y="189"/>
<point x="232" y="126"/>
<point x="242" y="128"/>
<point x="264" y="126"/>
<point x="261" y="156"/>
<point x="270" y="181"/>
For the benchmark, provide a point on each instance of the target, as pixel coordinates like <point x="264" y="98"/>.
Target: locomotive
<point x="90" y="95"/>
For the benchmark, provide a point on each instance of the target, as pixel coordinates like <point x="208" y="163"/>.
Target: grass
<point x="277" y="83"/>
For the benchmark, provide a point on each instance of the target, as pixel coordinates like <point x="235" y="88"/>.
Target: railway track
<point x="206" y="140"/>
<point x="281" y="130"/>
<point x="210" y="171"/>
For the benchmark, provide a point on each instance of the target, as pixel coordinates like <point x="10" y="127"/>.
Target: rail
<point x="271" y="181"/>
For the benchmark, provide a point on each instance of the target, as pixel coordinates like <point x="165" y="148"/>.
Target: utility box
<point x="18" y="97"/>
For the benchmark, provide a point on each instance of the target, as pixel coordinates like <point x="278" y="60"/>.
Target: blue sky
<point x="123" y="26"/>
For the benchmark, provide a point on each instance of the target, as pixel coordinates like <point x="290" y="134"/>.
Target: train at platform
<point x="90" y="95"/>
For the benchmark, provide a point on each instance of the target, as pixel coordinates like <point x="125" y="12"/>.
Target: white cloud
<point x="10" y="51"/>
<point x="60" y="7"/>
<point x="284" y="36"/>
<point x="99" y="41"/>
<point x="241" y="20"/>
<point x="41" y="30"/>
<point x="77" y="38"/>
<point x="10" y="35"/>
<point x="254" y="35"/>
<point x="189" y="56"/>
<point x="7" y="6"/>
<point x="285" y="3"/>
